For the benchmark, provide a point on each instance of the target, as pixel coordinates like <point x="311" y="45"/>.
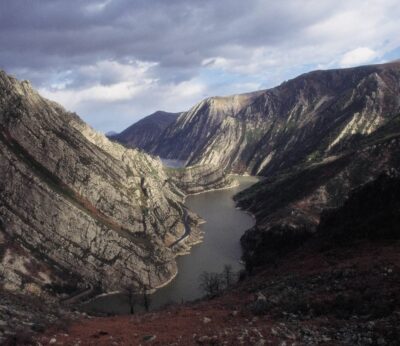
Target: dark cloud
<point x="62" y="44"/>
<point x="175" y="33"/>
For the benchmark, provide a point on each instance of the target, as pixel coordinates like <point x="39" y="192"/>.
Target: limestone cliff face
<point x="145" y="132"/>
<point x="198" y="132"/>
<point x="303" y="120"/>
<point x="200" y="178"/>
<point x="75" y="205"/>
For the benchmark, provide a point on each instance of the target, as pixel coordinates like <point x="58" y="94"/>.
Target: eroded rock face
<point x="78" y="205"/>
<point x="303" y="120"/>
<point x="200" y="178"/>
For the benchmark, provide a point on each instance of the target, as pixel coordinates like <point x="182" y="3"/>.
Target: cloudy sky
<point x="115" y="61"/>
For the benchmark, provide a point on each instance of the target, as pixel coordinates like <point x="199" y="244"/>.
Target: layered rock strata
<point x="75" y="207"/>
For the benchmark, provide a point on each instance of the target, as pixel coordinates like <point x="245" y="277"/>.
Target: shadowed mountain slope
<point x="146" y="131"/>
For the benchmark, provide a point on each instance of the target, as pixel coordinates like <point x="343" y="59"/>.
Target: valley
<point x="223" y="227"/>
<point x="80" y="212"/>
<point x="199" y="173"/>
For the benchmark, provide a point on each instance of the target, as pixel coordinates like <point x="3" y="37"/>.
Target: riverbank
<point x="339" y="296"/>
<point x="221" y="245"/>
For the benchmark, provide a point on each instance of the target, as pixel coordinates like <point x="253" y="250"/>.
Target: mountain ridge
<point x="77" y="203"/>
<point x="257" y="133"/>
<point x="142" y="133"/>
<point x="313" y="138"/>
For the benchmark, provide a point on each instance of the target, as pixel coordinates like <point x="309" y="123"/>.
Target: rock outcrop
<point x="304" y="120"/>
<point x="76" y="207"/>
<point x="200" y="178"/>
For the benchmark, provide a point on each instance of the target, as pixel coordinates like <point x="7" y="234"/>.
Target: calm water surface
<point x="223" y="228"/>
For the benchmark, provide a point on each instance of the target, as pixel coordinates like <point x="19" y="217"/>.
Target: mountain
<point x="146" y="131"/>
<point x="303" y="120"/>
<point x="77" y="209"/>
<point x="289" y="205"/>
<point x="314" y="138"/>
<point x="111" y="133"/>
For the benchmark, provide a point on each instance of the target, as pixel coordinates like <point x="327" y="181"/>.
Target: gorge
<point x="312" y="137"/>
<point x="223" y="227"/>
<point x="79" y="210"/>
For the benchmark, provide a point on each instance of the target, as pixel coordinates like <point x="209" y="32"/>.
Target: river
<point x="222" y="231"/>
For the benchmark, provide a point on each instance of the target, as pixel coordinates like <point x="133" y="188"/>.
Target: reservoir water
<point x="222" y="231"/>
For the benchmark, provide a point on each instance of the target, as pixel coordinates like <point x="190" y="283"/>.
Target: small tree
<point x="132" y="298"/>
<point x="146" y="298"/>
<point x="145" y="293"/>
<point x="211" y="283"/>
<point x="228" y="275"/>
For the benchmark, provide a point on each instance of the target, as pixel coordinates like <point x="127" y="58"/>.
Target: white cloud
<point x="115" y="94"/>
<point x="358" y="56"/>
<point x="104" y="82"/>
<point x="250" y="62"/>
<point x="97" y="6"/>
<point x="349" y="33"/>
<point x="72" y="98"/>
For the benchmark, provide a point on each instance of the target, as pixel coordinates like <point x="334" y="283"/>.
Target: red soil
<point x="232" y="322"/>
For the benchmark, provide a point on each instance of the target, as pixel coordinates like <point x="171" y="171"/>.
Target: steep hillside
<point x="145" y="132"/>
<point x="288" y="206"/>
<point x="77" y="209"/>
<point x="196" y="179"/>
<point x="371" y="212"/>
<point x="303" y="120"/>
<point x="341" y="288"/>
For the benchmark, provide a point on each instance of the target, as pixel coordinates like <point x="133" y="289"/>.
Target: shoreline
<point x="153" y="290"/>
<point x="211" y="190"/>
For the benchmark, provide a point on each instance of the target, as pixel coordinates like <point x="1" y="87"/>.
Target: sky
<point x="116" y="61"/>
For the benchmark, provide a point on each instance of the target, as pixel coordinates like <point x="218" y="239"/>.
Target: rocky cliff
<point x="288" y="206"/>
<point x="304" y="120"/>
<point x="77" y="208"/>
<point x="313" y="138"/>
<point x="145" y="132"/>
<point x="200" y="178"/>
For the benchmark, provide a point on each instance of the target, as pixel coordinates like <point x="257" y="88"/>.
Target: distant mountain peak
<point x="145" y="131"/>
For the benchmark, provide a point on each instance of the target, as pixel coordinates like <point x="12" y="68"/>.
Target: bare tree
<point x="132" y="298"/>
<point x="228" y="275"/>
<point x="146" y="298"/>
<point x="210" y="283"/>
<point x="145" y="292"/>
